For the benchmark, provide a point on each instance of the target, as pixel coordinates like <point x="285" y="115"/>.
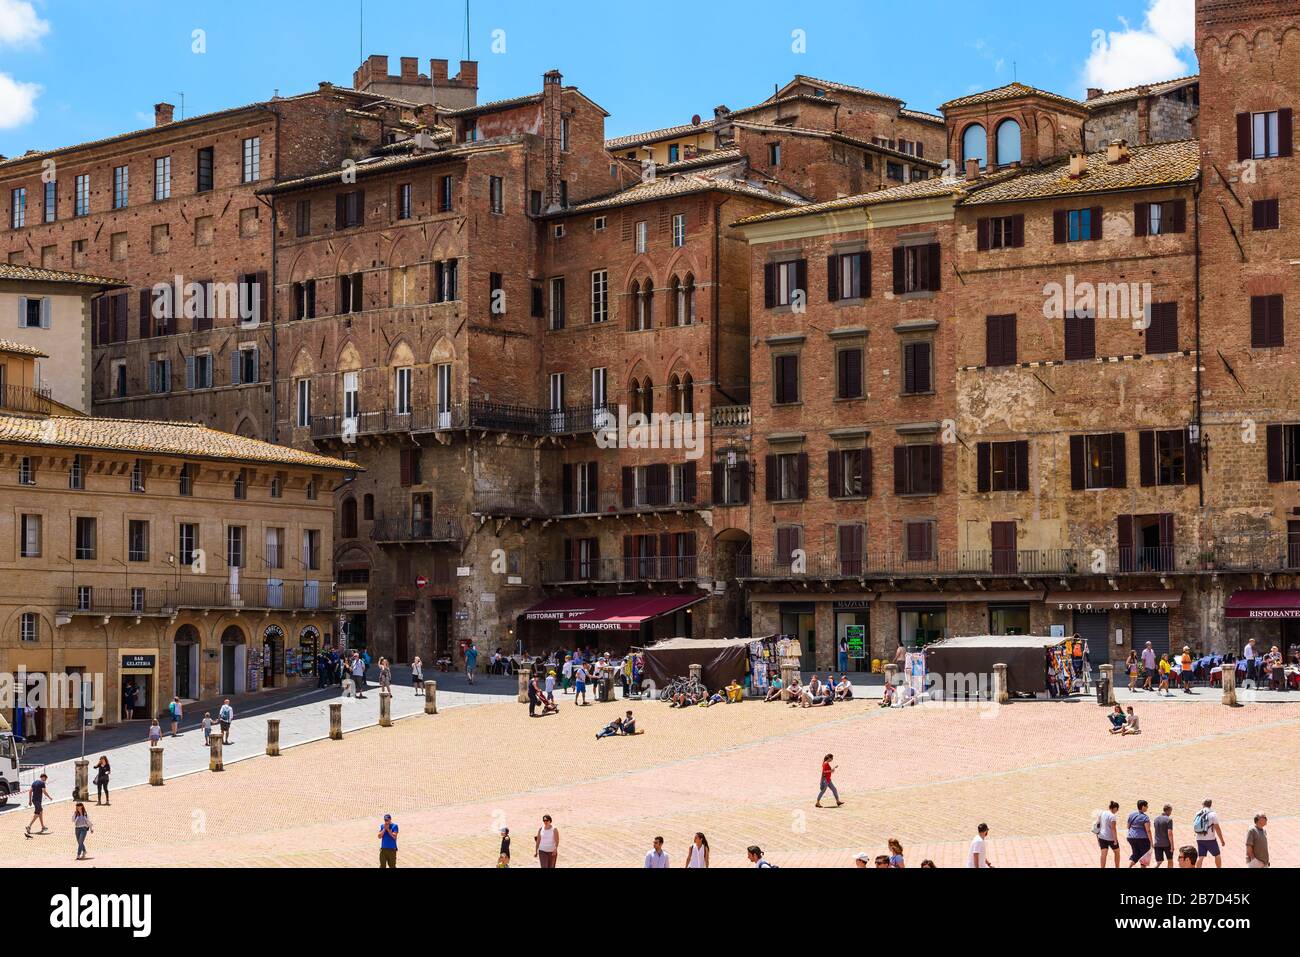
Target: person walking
<point x="896" y="853"/>
<point x="359" y="674"/>
<point x="566" y="673"/>
<point x="1209" y="835"/>
<point x="387" y="843"/>
<point x="1252" y="661"/>
<point x="1165" y="667"/>
<point x="1257" y="843"/>
<point x="827" y="784"/>
<point x="36" y="801"/>
<point x="155" y="733"/>
<point x="81" y="826"/>
<point x="1186" y="675"/>
<point x="547" y="843"/>
<point x="1105" y="828"/>
<point x="979" y="852"/>
<point x="1139" y="835"/>
<point x="1131" y="666"/>
<point x="102" y="772"/>
<point x="655" y="858"/>
<point x="755" y="855"/>
<point x="1148" y="666"/>
<point x="505" y="845"/>
<point x="417" y="675"/>
<point x="1163" y="828"/>
<point x="534" y="696"/>
<point x="177" y="713"/>
<point x="206" y="725"/>
<point x="580" y="684"/>
<point x="698" y="854"/>
<point x="226" y="715"/>
<point x="471" y="661"/>
<point x="385" y="677"/>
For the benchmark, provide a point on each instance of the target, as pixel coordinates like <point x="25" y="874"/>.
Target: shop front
<point x="185" y="663"/>
<point x="1113" y="623"/>
<point x="273" y="657"/>
<point x="852" y="636"/>
<point x="309" y="647"/>
<point x="352" y="606"/>
<point x="613" y="623"/>
<point x="138" y="681"/>
<point x="1270" y="616"/>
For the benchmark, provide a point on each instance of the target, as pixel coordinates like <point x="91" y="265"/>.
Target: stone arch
<point x="1007" y="135"/>
<point x="401" y="353"/>
<point x="975" y="143"/>
<point x="13" y="624"/>
<point x="349" y="357"/>
<point x="348" y="261"/>
<point x="247" y="428"/>
<point x="441" y="245"/>
<point x="444" y="350"/>
<point x="301" y="267"/>
<point x="303" y="365"/>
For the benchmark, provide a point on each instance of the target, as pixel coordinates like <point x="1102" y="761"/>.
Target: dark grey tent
<point x="721" y="659"/>
<point x="1024" y="655"/>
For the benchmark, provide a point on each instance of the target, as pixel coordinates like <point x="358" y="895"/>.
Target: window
<point x="918" y="541"/>
<point x="679" y="229"/>
<point x="558" y="231"/>
<point x="895" y="172"/>
<point x="564" y="134"/>
<point x="162" y="178"/>
<point x="1264" y="135"/>
<point x="848" y="276"/>
<point x="917" y="379"/>
<point x="1000" y="340"/>
<point x="304" y="299"/>
<point x="496" y="195"/>
<point x="731" y="480"/>
<point x="848" y="473"/>
<point x="1159" y="219"/>
<point x="1265" y="214"/>
<point x="599" y="295"/>
<point x="351" y="395"/>
<point x="204" y="167"/>
<point x="598" y="224"/>
<point x="1098" y="461"/>
<point x="29" y="545"/>
<point x="77" y="473"/>
<point x="198" y="371"/>
<point x="557" y="303"/>
<point x="404" y="201"/>
<point x="137" y="537"/>
<point x="241" y="484"/>
<point x="350" y="209"/>
<point x="787" y="477"/>
<point x="1167" y="458"/>
<point x="1076" y="225"/>
<point x="642" y="232"/>
<point x="773" y="154"/>
<point x="30" y="627"/>
<point x="408" y="467"/>
<point x="117" y="378"/>
<point x="537" y="309"/>
<point x="81" y="195"/>
<point x="121" y="186"/>
<point x="311" y="548"/>
<point x="1162" y="331"/>
<point x="51" y="201"/>
<point x="252" y="159"/>
<point x="785" y="379"/>
<point x="682" y="300"/>
<point x="35" y="313"/>
<point x="442" y="394"/>
<point x="187" y="541"/>
<point x="564" y="194"/>
<point x="1002" y="466"/>
<point x="1080" y="336"/>
<point x="785" y="283"/>
<point x="1008" y="139"/>
<point x="402" y="391"/>
<point x="85" y="538"/>
<point x="139" y="471"/>
<point x="917" y="269"/>
<point x="244" y="365"/>
<point x="848" y="373"/>
<point x="918" y="469"/>
<point x="348" y="518"/>
<point x="351" y="293"/>
<point x="444" y="194"/>
<point x="186" y="482"/>
<point x="1266" y="331"/>
<point x="235" y="546"/>
<point x="642" y="316"/>
<point x="1000" y="232"/>
<point x="446" y="274"/>
<point x="19" y="208"/>
<point x="535" y="202"/>
<point x="974" y="145"/>
<point x="303" y="218"/>
<point x="277" y="486"/>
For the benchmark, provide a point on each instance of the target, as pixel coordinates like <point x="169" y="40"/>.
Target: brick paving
<point x="1035" y="771"/>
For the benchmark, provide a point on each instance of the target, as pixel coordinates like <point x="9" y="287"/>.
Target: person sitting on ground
<point x="774" y="690"/>
<point x="795" y="690"/>
<point x="844" y="690"/>
<point x="611" y="729"/>
<point x="716" y="698"/>
<point x="686" y="698"/>
<point x="887" y="700"/>
<point x="811" y="690"/>
<point x="909" y="697"/>
<point x="1131" y="723"/>
<point x="1117" y="720"/>
<point x="629" y="724"/>
<point x="735" y="692"/>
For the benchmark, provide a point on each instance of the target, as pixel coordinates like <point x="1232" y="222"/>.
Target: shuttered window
<point x="1077" y="225"/>
<point x="848" y="473"/>
<point x="917" y="269"/>
<point x="1080" y="337"/>
<point x="1002" y="466"/>
<point x="1098" y="461"/>
<point x="1000" y="232"/>
<point x="918" y="469"/>
<point x="918" y="539"/>
<point x="785" y="379"/>
<point x="1160" y="219"/>
<point x="1266" y="322"/>
<point x="848" y="373"/>
<point x="1265" y="214"/>
<point x="917" y="379"/>
<point x="848" y="276"/>
<point x="1167" y="458"/>
<point x="1162" y="333"/>
<point x="1000" y="340"/>
<point x="785" y="283"/>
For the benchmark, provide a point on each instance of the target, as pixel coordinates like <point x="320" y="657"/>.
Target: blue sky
<point x="74" y="70"/>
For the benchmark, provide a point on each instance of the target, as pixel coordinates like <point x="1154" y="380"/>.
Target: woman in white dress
<point x="698" y="855"/>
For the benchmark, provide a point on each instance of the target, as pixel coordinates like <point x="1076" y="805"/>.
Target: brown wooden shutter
<point x="832" y="278"/>
<point x="629" y="556"/>
<point x="1078" y="463"/>
<point x="341" y="211"/>
<point x="1179" y="216"/>
<point x="1192" y="456"/>
<point x="1097" y="217"/>
<point x="688" y="482"/>
<point x="1285" y="122"/>
<point x="629" y="487"/>
<point x="1124" y="538"/>
<point x="982" y="230"/>
<point x="1060" y="226"/>
<point x="1275" y="331"/>
<point x="936" y="469"/>
<point x="834" y="478"/>
<point x="570" y="565"/>
<point x="1022" y="466"/>
<point x="900" y="470"/>
<point x="1141" y="218"/>
<point x="1244" y="146"/>
<point x="983" y="467"/>
<point x="1018" y="230"/>
<point x="1167" y="531"/>
<point x="772" y="478"/>
<point x="146" y="305"/>
<point x="1276" y="454"/>
<point x="719" y="473"/>
<point x="803" y="476"/>
<point x="405" y="468"/>
<point x="867" y="472"/>
<point x="566" y="489"/>
<point x="769" y="285"/>
<point x="924" y="379"/>
<point x="935" y="264"/>
<point x="1118" y="452"/>
<point x="900" y="271"/>
<point x="1147" y="458"/>
<point x="866" y="275"/>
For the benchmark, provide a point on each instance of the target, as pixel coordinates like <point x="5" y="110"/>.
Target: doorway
<point x="185" y="663"/>
<point x="401" y="638"/>
<point x="234" y="656"/>
<point x="272" y="656"/>
<point x="441" y="628"/>
<point x="799" y="621"/>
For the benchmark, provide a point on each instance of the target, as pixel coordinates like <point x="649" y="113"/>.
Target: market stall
<point x="722" y="660"/>
<point x="1034" y="662"/>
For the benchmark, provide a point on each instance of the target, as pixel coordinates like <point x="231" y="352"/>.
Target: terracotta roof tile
<point x="17" y="273"/>
<point x="925" y="189"/>
<point x="21" y="349"/>
<point x="180" y="439"/>
<point x="1111" y="97"/>
<point x="843" y="87"/>
<point x="655" y="136"/>
<point x="373" y="165"/>
<point x="1011" y="91"/>
<point x="663" y="187"/>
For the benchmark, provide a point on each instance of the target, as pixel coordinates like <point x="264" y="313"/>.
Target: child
<point x="155" y="733"/>
<point x="207" y="727"/>
<point x="1165" y="668"/>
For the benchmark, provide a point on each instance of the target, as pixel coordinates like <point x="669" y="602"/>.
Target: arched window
<point x="688" y="300"/>
<point x="645" y="315"/>
<point x="975" y="145"/>
<point x="348" y="518"/>
<point x="634" y="315"/>
<point x="634" y="395"/>
<point x="648" y="397"/>
<point x="674" y="391"/>
<point x="687" y="403"/>
<point x="1008" y="137"/>
<point x="368" y="508"/>
<point x="676" y="302"/>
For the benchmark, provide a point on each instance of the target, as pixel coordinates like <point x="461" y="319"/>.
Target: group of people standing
<point x="1152" y="841"/>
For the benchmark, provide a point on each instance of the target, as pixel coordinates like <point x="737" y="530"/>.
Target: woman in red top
<point x="827" y="783"/>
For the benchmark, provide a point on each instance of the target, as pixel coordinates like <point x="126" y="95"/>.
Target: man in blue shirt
<point x="388" y="843"/>
<point x="471" y="661"/>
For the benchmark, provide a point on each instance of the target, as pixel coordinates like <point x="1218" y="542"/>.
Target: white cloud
<point x="17" y="102"/>
<point x="1128" y="57"/>
<point x="20" y="24"/>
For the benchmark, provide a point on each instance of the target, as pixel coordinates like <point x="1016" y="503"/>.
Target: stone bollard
<point x="155" y="766"/>
<point x="385" y="709"/>
<point x="81" y="789"/>
<point x="1000" y="693"/>
<point x="696" y="673"/>
<point x="1229" y="676"/>
<point x="525" y="675"/>
<point x="787" y="675"/>
<point x="1108" y="677"/>
<point x="431" y="697"/>
<point x="214" y="753"/>
<point x="273" y="737"/>
<point x="891" y="674"/>
<point x="336" y="722"/>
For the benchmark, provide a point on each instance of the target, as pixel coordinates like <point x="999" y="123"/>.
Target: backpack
<point x="1201" y="823"/>
<point x="1096" y="822"/>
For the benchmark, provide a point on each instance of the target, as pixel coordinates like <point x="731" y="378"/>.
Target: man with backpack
<point x="1209" y="835"/>
<point x="1103" y="826"/>
<point x="755" y="855"/>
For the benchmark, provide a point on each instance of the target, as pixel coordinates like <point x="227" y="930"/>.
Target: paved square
<point x="743" y="774"/>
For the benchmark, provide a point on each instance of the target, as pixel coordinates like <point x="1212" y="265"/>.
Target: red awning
<point x="1281" y="603"/>
<point x="618" y="613"/>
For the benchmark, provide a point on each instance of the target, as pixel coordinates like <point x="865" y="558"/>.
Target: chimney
<point x="1093" y="92"/>
<point x="1078" y="164"/>
<point x="162" y="113"/>
<point x="552" y="112"/>
<point x="972" y="170"/>
<point x="1117" y="152"/>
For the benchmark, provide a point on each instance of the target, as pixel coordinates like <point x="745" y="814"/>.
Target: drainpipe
<point x="1200" y="359"/>
<point x="270" y="298"/>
